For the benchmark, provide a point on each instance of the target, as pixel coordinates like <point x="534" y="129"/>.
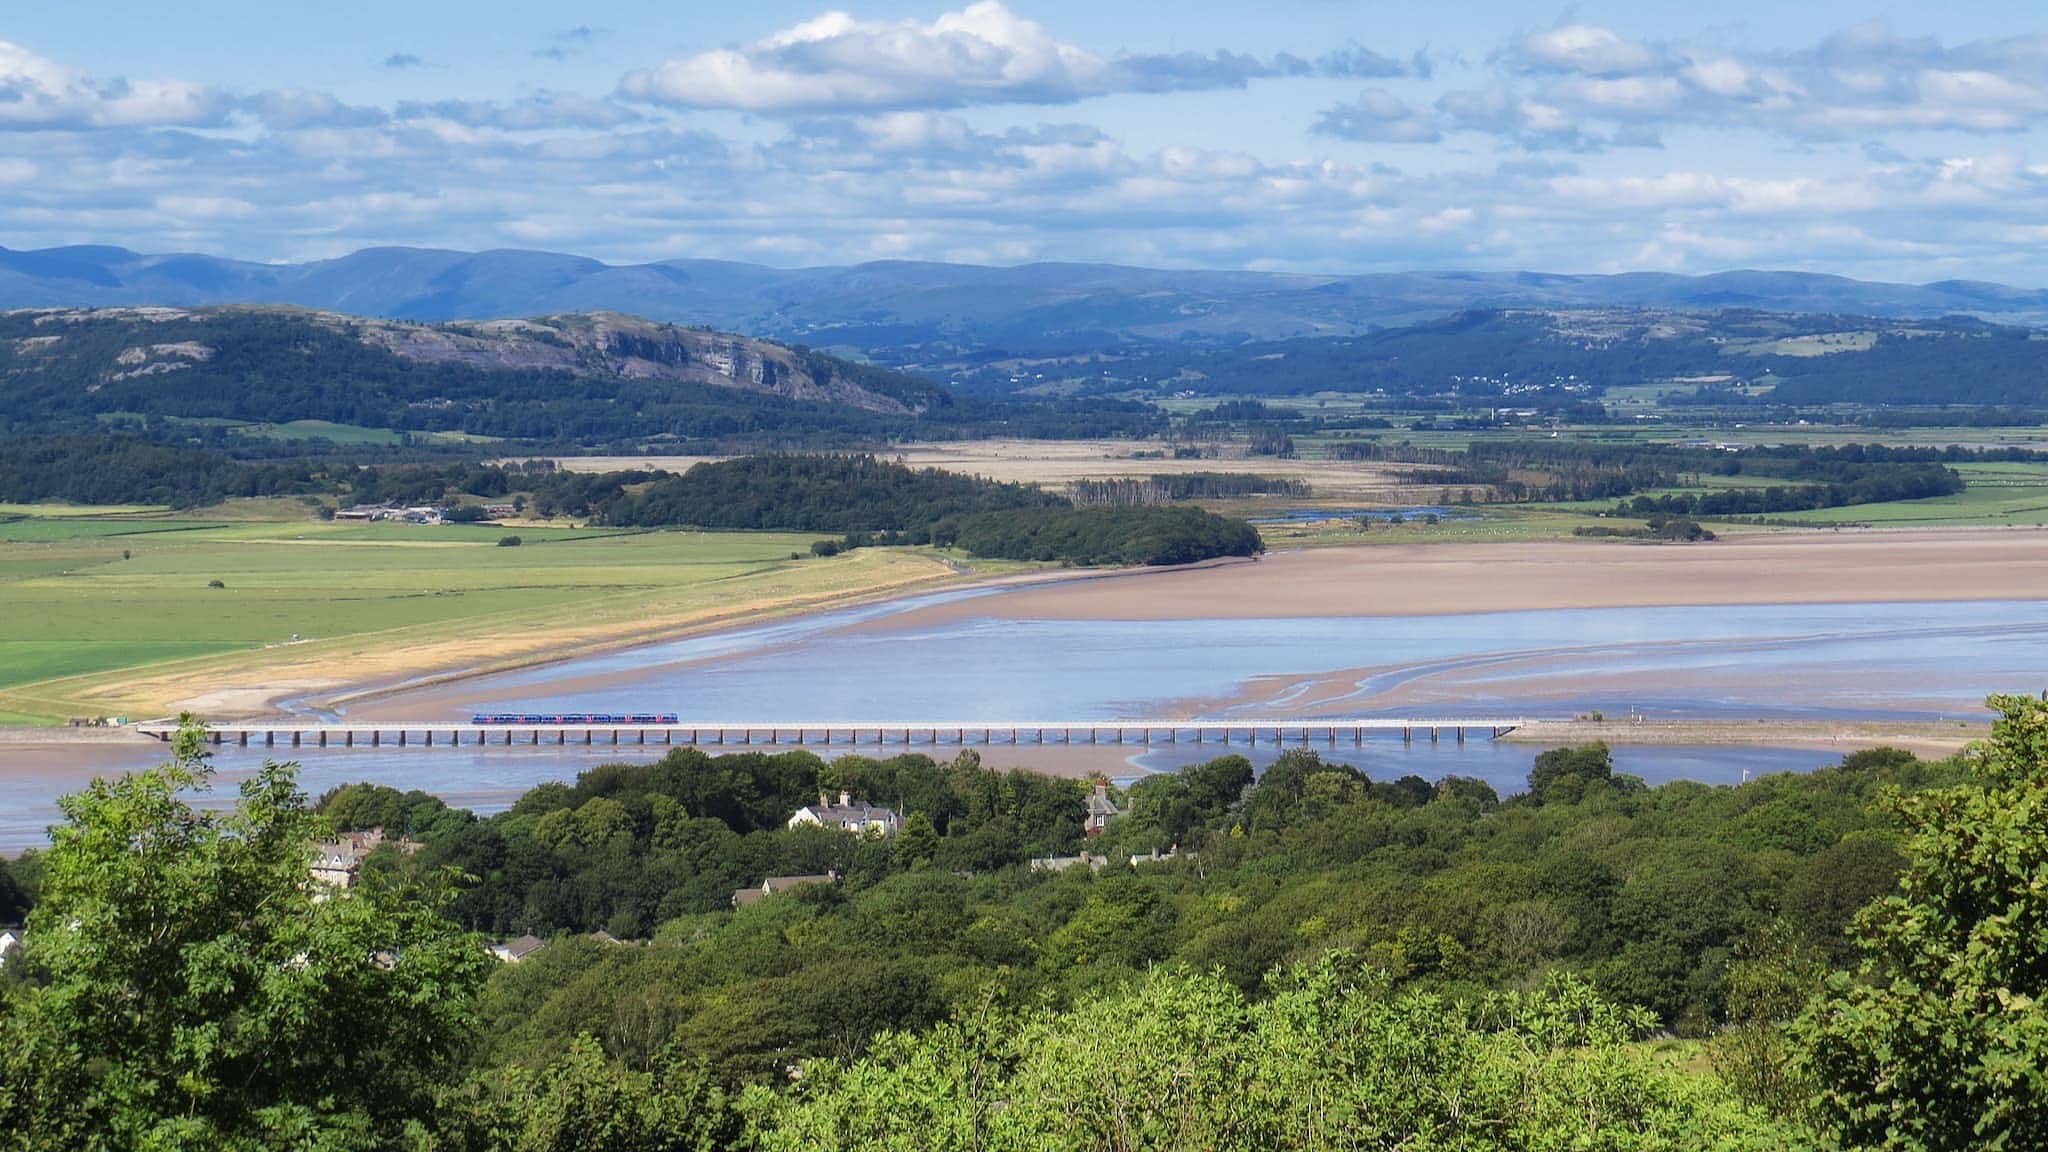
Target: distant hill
<point x="926" y="312"/>
<point x="596" y="378"/>
<point x="1551" y="357"/>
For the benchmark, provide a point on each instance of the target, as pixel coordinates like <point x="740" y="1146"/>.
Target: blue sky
<point x="1331" y="135"/>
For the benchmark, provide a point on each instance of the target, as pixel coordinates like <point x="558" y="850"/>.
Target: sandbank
<point x="1858" y="566"/>
<point x="1929" y="740"/>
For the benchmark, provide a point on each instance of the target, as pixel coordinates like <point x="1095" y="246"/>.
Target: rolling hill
<point x="585" y="378"/>
<point x="905" y="312"/>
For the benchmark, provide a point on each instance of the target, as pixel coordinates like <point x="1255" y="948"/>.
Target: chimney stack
<point x="846" y="799"/>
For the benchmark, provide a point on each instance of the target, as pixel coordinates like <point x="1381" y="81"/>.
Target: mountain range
<point x="899" y="311"/>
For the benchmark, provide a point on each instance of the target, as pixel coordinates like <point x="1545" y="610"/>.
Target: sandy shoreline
<point x="1926" y="739"/>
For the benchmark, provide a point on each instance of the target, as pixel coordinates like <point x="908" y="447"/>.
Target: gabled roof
<point x="520" y="948"/>
<point x="775" y="884"/>
<point x="857" y="812"/>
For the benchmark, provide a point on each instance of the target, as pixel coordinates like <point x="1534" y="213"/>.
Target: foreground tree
<point x="1335" y="1059"/>
<point x="192" y="987"/>
<point x="1941" y="1039"/>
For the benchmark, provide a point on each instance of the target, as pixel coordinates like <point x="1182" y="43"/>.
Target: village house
<point x="337" y="863"/>
<point x="513" y="951"/>
<point x="1100" y="809"/>
<point x="850" y="815"/>
<point x="747" y="897"/>
<point x="10" y="938"/>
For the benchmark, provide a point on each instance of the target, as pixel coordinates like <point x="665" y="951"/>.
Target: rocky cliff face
<point x="627" y="347"/>
<point x="116" y="344"/>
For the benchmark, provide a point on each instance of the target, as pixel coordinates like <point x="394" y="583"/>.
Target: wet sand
<point x="1849" y="567"/>
<point x="1927" y="739"/>
<point x="1867" y="566"/>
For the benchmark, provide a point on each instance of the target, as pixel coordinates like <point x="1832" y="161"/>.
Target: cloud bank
<point x="969" y="136"/>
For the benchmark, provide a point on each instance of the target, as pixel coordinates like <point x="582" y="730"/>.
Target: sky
<point x="1907" y="142"/>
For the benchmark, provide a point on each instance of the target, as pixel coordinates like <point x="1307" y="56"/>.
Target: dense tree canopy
<point x="1313" y="959"/>
<point x="1940" y="1039"/>
<point x="192" y="987"/>
<point x="1151" y="535"/>
<point x="810" y="493"/>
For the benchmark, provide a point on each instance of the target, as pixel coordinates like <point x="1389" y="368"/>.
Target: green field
<point x="79" y="511"/>
<point x="350" y="434"/>
<point x="28" y="661"/>
<point x="77" y="611"/>
<point x="29" y="530"/>
<point x="1998" y="494"/>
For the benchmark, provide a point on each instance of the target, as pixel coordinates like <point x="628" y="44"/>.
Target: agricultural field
<point x="1495" y="523"/>
<point x="350" y="434"/>
<point x="140" y="623"/>
<point x="1057" y="464"/>
<point x="2015" y="494"/>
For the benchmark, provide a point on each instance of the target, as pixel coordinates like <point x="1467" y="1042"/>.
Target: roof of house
<point x="854" y="812"/>
<point x="773" y="885"/>
<point x="1099" y="803"/>
<point x="519" y="948"/>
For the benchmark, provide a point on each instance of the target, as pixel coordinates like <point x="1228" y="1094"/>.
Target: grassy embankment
<point x="88" y="632"/>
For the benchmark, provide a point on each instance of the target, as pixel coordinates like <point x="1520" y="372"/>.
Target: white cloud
<point x="39" y="93"/>
<point x="291" y="173"/>
<point x="982" y="54"/>
<point x="1864" y="79"/>
<point x="542" y="111"/>
<point x="293" y="108"/>
<point x="1379" y="116"/>
<point x="1587" y="49"/>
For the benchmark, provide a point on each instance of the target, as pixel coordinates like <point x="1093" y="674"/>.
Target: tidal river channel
<point x="972" y="662"/>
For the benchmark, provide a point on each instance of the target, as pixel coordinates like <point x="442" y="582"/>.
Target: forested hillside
<point x="127" y="470"/>
<point x="572" y="380"/>
<point x="1326" y="961"/>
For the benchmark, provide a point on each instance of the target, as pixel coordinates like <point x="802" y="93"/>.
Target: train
<point x="574" y="718"/>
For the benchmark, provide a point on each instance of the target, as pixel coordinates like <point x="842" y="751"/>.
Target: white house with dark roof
<point x="513" y="951"/>
<point x="10" y="938"/>
<point x="849" y="815"/>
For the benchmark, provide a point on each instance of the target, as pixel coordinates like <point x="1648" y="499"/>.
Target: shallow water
<point x="1867" y="661"/>
<point x="1862" y="661"/>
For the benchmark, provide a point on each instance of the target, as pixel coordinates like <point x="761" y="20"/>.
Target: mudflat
<point x="1845" y="567"/>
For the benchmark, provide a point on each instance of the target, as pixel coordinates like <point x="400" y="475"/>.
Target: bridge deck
<point x="1154" y="731"/>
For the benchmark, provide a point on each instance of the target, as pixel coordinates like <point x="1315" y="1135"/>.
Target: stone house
<point x="849" y="815"/>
